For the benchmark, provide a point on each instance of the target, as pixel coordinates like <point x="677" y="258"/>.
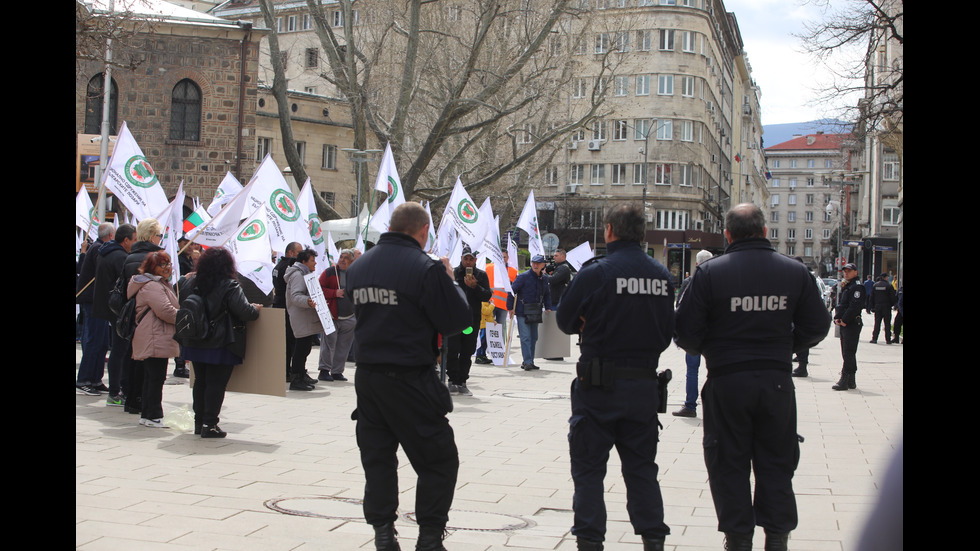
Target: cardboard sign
<point x="552" y="342"/>
<point x="262" y="370"/>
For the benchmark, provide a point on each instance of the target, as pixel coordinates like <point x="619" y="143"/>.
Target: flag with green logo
<point x="85" y="216"/>
<point x="132" y="180"/>
<point x="466" y="218"/>
<point x="529" y="223"/>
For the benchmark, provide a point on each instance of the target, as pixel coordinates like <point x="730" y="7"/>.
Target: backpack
<point x="126" y="322"/>
<point x="193" y="321"/>
<point x="117" y="295"/>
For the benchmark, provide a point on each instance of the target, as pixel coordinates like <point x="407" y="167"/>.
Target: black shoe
<point x="212" y="432"/>
<point x="874" y="341"/>
<point x="101" y="387"/>
<point x="430" y="539"/>
<point x="534" y="366"/>
<point x="851" y="383"/>
<point x="686" y="412"/>
<point x="738" y="542"/>
<point x="653" y="544"/>
<point x="483" y="360"/>
<point x="555" y="359"/>
<point x="527" y="367"/>
<point x="182" y="372"/>
<point x="338" y="377"/>
<point x="776" y="542"/>
<point x="588" y="545"/>
<point x="843" y="383"/>
<point x="384" y="538"/>
<point x="300" y="385"/>
<point x="308" y="380"/>
<point x="800" y="372"/>
<point x="325" y="376"/>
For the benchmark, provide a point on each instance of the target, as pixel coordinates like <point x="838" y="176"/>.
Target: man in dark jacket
<point x="460" y="348"/>
<point x="882" y="300"/>
<point x="559" y="276"/>
<point x="95" y="331"/>
<point x="746" y="312"/>
<point x="108" y="268"/>
<point x="403" y="299"/>
<point x="279" y="300"/>
<point x="847" y="315"/>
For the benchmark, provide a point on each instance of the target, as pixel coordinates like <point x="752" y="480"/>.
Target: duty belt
<point x="602" y="372"/>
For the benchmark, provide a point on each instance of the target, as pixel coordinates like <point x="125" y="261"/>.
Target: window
<point x="810" y="182"/>
<point x="580" y="87"/>
<point x="808" y="216"/>
<point x="808" y="250"/>
<point x="792" y="199"/>
<point x="665" y="85"/>
<point x="667" y="39"/>
<point x="623" y="42"/>
<point x="641" y="129"/>
<point x="775" y="200"/>
<point x="309" y="89"/>
<point x="828" y="164"/>
<point x="598" y="130"/>
<point x="791" y="234"/>
<point x="643" y="40"/>
<point x="620" y="130"/>
<point x="808" y="234"/>
<point x="810" y="163"/>
<point x="263" y="149"/>
<point x="576" y="173"/>
<point x="301" y="149"/>
<point x="643" y="85"/>
<point x="775" y="182"/>
<point x="601" y="43"/>
<point x="774" y="216"/>
<point x="329" y="157"/>
<point x="790" y="250"/>
<point x="185" y="111"/>
<point x="639" y="174"/>
<point x="578" y="47"/>
<point x="792" y="183"/>
<point x="809" y="199"/>
<point x="773" y="234"/>
<point x="312" y="58"/>
<point x="792" y="163"/>
<point x="791" y="216"/>
<point x="336" y="18"/>
<point x="661" y="174"/>
<point x="687" y="131"/>
<point x="672" y="219"/>
<point x="291" y="23"/>
<point x="889" y="215"/>
<point x="687" y="41"/>
<point x="687" y="175"/>
<point x="527" y="133"/>
<point x="621" y="86"/>
<point x="665" y="129"/>
<point x="775" y="163"/>
<point x="889" y="166"/>
<point x="687" y="87"/>
<point x="826" y="234"/>
<point x="279" y="24"/>
<point x="94" y="102"/>
<point x="454" y="12"/>
<point x="329" y="196"/>
<point x="552" y="175"/>
<point x="598" y="175"/>
<point x="307" y="22"/>
<point x="618" y="174"/>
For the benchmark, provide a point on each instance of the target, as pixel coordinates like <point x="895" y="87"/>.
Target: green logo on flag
<point x="315" y="232"/>
<point x="392" y="189"/>
<point x="284" y="204"/>
<point x="139" y="172"/>
<point x="254" y="230"/>
<point x="467" y="211"/>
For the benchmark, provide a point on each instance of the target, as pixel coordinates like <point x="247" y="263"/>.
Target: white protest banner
<point x="268" y="187"/>
<point x="495" y="343"/>
<point x="86" y="218"/>
<point x="529" y="223"/>
<point x="579" y="255"/>
<point x="227" y="190"/>
<point x="388" y="181"/>
<point x="466" y="216"/>
<point x="313" y="237"/>
<point x="322" y="310"/>
<point x="132" y="180"/>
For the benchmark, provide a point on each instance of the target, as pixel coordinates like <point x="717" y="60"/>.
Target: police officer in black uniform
<point x="623" y="307"/>
<point x="882" y="301"/>
<point x="279" y="299"/>
<point x="746" y="312"/>
<point x="847" y="315"/>
<point x="403" y="299"/>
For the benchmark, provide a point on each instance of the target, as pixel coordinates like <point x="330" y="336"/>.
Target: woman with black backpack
<point x="215" y="353"/>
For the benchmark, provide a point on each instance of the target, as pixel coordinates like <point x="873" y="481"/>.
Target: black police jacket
<point x="850" y="301"/>
<point x="882" y="295"/>
<point x="627" y="300"/>
<point x="403" y="298"/>
<point x="750" y="308"/>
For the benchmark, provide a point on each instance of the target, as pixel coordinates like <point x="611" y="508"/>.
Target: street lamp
<point x="359" y="157"/>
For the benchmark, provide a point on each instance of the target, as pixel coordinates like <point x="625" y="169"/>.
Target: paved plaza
<point x="288" y="476"/>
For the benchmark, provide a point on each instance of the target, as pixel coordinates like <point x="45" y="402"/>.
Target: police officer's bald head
<point x="409" y="218"/>
<point x="744" y="221"/>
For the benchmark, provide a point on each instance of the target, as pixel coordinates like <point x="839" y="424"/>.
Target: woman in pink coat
<point x="153" y="341"/>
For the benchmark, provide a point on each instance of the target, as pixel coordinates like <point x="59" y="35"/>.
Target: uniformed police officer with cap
<point x="746" y="312"/>
<point x="403" y="299"/>
<point x="847" y="315"/>
<point x="623" y="307"/>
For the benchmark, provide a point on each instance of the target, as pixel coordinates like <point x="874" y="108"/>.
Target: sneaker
<point x="686" y="412"/>
<point x="114" y="401"/>
<point x="309" y="380"/>
<point x="325" y="376"/>
<point x="101" y="387"/>
<point x="483" y="360"/>
<point x="453" y="389"/>
<point x="338" y="377"/>
<point x="463" y="391"/>
<point x="153" y="423"/>
<point x="87" y="390"/>
<point x="212" y="432"/>
<point x="182" y="372"/>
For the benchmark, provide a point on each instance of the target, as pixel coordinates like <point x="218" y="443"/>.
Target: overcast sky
<point x="788" y="77"/>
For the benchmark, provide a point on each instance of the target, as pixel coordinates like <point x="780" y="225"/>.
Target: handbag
<point x="533" y="312"/>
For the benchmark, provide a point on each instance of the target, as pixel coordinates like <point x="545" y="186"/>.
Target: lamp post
<point x="359" y="157"/>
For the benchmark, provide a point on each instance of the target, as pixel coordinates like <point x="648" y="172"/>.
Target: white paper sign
<point x="322" y="310"/>
<point x="495" y="343"/>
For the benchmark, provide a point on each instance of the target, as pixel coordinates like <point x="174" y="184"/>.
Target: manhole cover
<point x="321" y="507"/>
<point x="527" y="395"/>
<point x="481" y="522"/>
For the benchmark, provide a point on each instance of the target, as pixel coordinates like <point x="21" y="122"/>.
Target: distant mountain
<point x="773" y="134"/>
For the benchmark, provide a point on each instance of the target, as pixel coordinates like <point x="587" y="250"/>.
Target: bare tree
<point x="866" y="29"/>
<point x="96" y="27"/>
<point x="279" y="88"/>
<point x="469" y="89"/>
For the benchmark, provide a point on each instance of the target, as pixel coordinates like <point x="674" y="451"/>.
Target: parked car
<point x="825" y="292"/>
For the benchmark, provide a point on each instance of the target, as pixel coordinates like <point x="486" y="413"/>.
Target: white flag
<point x="381" y="218"/>
<point x="332" y="253"/>
<point x="430" y="246"/>
<point x="258" y="273"/>
<point x="227" y="190"/>
<point x="446" y="236"/>
<point x="359" y="244"/>
<point x="131" y="178"/>
<point x="313" y="237"/>
<point x="512" y="254"/>
<point x="388" y="181"/>
<point x="466" y="217"/>
<point x="283" y="215"/>
<point x="529" y="223"/>
<point x="172" y="220"/>
<point x="86" y="218"/>
<point x="251" y="240"/>
<point x="195" y="221"/>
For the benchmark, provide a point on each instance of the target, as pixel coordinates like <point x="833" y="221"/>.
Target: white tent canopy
<point x="346" y="228"/>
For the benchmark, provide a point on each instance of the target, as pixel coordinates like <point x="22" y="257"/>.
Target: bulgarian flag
<point x="196" y="219"/>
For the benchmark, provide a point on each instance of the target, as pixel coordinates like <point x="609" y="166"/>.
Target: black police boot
<point x="842" y="383"/>
<point x="384" y="538"/>
<point x="800" y="372"/>
<point x="588" y="545"/>
<point x="738" y="542"/>
<point x="653" y="544"/>
<point x="851" y="383"/>
<point x="776" y="542"/>
<point x="430" y="539"/>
